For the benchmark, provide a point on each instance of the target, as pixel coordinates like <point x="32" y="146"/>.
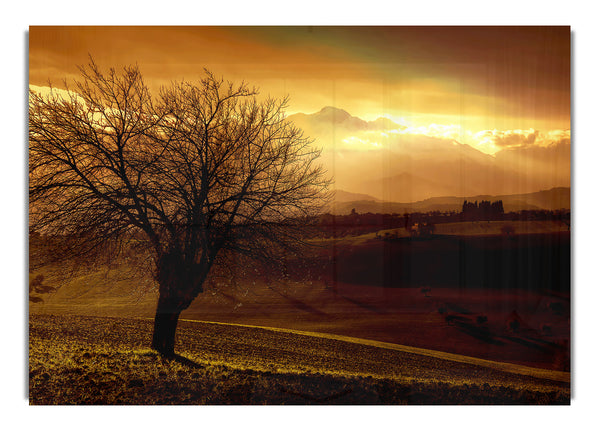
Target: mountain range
<point x="394" y="163"/>
<point x="553" y="199"/>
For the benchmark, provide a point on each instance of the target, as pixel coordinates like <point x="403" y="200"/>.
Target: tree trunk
<point x="165" y="325"/>
<point x="178" y="286"/>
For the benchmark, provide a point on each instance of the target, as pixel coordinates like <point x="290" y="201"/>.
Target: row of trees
<point x="186" y="178"/>
<point x="484" y="210"/>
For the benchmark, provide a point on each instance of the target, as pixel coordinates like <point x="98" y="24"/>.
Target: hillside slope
<point x="85" y="360"/>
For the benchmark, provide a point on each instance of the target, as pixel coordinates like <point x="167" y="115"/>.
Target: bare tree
<point x="199" y="172"/>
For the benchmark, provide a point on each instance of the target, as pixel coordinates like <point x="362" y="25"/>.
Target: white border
<point x="579" y="14"/>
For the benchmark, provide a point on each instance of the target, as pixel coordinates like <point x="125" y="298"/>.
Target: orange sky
<point x="490" y="77"/>
<point x="493" y="88"/>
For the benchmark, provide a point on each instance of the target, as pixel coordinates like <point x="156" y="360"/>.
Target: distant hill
<point x="406" y="187"/>
<point x="343" y="196"/>
<point x="553" y="199"/>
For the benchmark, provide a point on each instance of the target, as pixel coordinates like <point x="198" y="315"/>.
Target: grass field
<point x="489" y="297"/>
<point x="88" y="360"/>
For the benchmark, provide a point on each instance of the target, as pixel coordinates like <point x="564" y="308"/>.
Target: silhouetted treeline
<point x="485" y="210"/>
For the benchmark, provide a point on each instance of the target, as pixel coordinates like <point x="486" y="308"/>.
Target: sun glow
<point x="360" y="143"/>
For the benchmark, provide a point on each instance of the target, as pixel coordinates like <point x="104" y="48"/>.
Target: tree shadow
<point x="298" y="304"/>
<point x="530" y="342"/>
<point x="364" y="305"/>
<point x="466" y="326"/>
<point x="480" y="333"/>
<point x="540" y="341"/>
<point x="181" y="360"/>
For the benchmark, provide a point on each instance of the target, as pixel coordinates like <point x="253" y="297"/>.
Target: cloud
<point x="506" y="138"/>
<point x="49" y="92"/>
<point x="495" y="141"/>
<point x="558" y="136"/>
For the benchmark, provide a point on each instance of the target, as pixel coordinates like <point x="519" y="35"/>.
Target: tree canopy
<point x="201" y="169"/>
